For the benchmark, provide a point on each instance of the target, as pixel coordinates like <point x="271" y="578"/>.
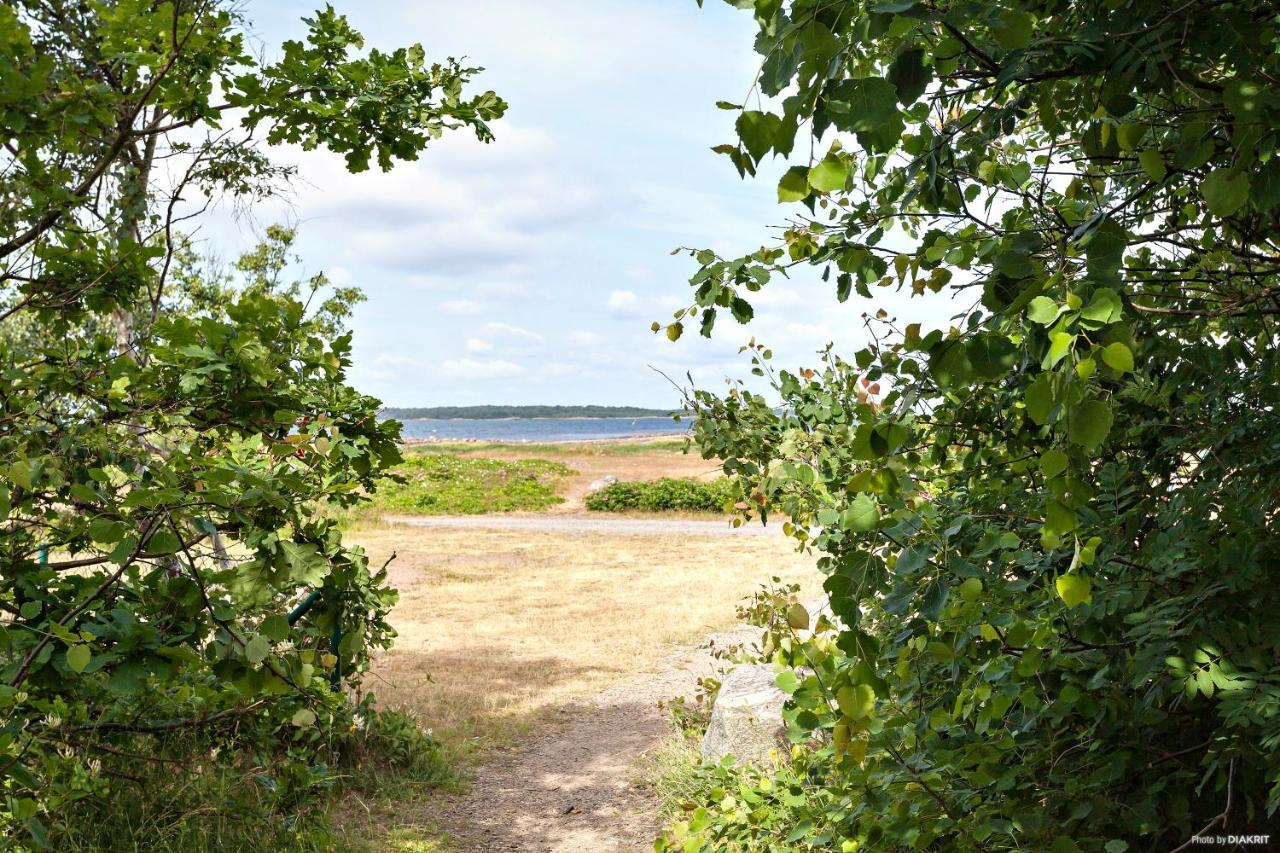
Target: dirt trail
<point x="571" y="788"/>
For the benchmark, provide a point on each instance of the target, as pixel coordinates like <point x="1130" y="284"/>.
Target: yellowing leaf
<point x="78" y="657"/>
<point x="1074" y="589"/>
<point x="856" y="700"/>
<point x="303" y="717"/>
<point x="1059" y="346"/>
<point x="794" y="185"/>
<point x="798" y="617"/>
<point x="829" y="175"/>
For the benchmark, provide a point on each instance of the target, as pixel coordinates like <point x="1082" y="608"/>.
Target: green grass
<point x="440" y="484"/>
<point x="183" y="795"/>
<point x="664" y="495"/>
<point x="557" y="448"/>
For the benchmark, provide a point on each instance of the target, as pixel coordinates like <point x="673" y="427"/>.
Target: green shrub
<point x="438" y="484"/>
<point x="668" y="493"/>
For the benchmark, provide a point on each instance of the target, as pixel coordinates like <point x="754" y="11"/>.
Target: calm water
<point x="542" y="429"/>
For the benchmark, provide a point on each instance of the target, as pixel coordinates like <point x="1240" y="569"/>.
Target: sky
<point x="528" y="270"/>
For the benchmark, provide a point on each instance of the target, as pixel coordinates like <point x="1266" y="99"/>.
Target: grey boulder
<point x="746" y="720"/>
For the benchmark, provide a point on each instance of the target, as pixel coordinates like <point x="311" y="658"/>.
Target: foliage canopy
<point x="1049" y="530"/>
<point x="166" y="436"/>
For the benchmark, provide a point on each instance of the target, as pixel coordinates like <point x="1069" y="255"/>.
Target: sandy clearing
<point x="542" y="652"/>
<point x="610" y="524"/>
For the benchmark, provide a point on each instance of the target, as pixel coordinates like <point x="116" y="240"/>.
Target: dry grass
<point x="498" y="628"/>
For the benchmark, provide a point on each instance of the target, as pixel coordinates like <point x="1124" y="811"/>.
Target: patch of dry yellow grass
<point x="497" y="628"/>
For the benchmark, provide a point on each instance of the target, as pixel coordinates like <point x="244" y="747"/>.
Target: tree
<point x="1049" y="531"/>
<point x="168" y="438"/>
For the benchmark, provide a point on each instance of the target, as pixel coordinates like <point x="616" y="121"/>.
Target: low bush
<point x="668" y="493"/>
<point x="440" y="484"/>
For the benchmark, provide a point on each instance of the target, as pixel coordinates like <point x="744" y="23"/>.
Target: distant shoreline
<point x="493" y="413"/>
<point x="547" y="418"/>
<point x="617" y="439"/>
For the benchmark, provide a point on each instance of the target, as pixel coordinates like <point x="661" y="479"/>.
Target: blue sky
<point x="529" y="270"/>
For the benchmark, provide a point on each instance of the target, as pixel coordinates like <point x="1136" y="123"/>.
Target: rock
<point x="601" y="483"/>
<point x="746" y="720"/>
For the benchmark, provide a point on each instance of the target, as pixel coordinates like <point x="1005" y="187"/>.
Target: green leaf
<point x="303" y="717"/>
<point x="1089" y="423"/>
<point x="794" y="185"/>
<point x="1043" y="310"/>
<point x="1039" y="399"/>
<point x="1118" y="357"/>
<point x="78" y="657"/>
<point x="163" y="542"/>
<point x="20" y="473"/>
<point x="862" y="515"/>
<point x="861" y="105"/>
<point x="830" y="175"/>
<point x="1245" y="99"/>
<point x="275" y="628"/>
<point x="1060" y="520"/>
<point x="1052" y="463"/>
<point x="106" y="531"/>
<point x="1014" y="30"/>
<point x="857" y="701"/>
<point x="1104" y="308"/>
<point x="1059" y="345"/>
<point x="758" y="131"/>
<point x="910" y="75"/>
<point x="257" y="649"/>
<point x="942" y="653"/>
<point x="1224" y="192"/>
<point x="1074" y="590"/>
<point x="933" y="599"/>
<point x="1152" y="162"/>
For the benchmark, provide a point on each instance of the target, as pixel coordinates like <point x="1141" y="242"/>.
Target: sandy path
<point x="588" y="524"/>
<point x="571" y="788"/>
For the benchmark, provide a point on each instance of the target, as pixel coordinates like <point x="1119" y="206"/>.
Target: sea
<point x="542" y="429"/>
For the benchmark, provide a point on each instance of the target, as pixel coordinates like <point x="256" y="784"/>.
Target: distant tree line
<point x="494" y="412"/>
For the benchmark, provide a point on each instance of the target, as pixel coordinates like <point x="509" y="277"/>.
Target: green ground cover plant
<point x="439" y="484"/>
<point x="667" y="494"/>
<point x="1048" y="522"/>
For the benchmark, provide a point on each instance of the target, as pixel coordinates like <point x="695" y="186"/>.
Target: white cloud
<point x="467" y="368"/>
<point x="462" y="306"/>
<point x="477" y="345"/>
<point x="518" y="333"/>
<point x="816" y="333"/>
<point x="623" y="303"/>
<point x="465" y="208"/>
<point x="584" y="339"/>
